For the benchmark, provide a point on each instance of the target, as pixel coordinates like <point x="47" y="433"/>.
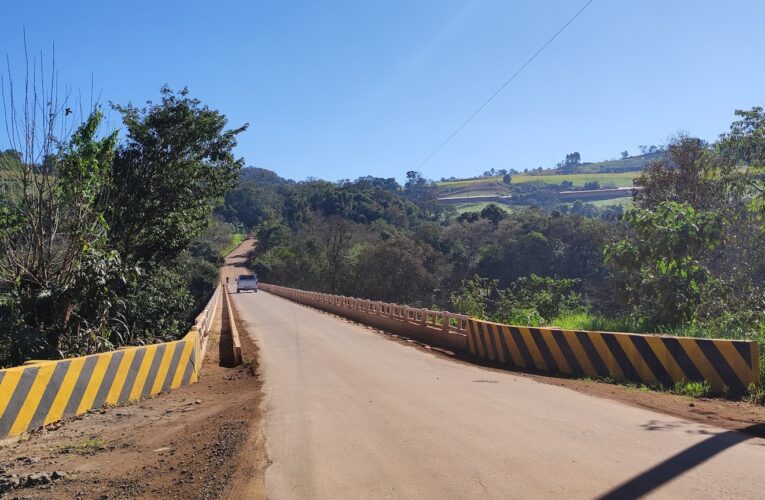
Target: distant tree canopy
<point x="572" y="161"/>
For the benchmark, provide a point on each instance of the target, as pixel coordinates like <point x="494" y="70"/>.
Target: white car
<point x="246" y="282"/>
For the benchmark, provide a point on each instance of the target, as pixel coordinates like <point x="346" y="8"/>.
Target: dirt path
<point x="202" y="441"/>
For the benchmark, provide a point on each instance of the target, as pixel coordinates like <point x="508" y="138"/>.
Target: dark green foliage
<point x="176" y="162"/>
<point x="662" y="260"/>
<point x="531" y="300"/>
<point x="103" y="244"/>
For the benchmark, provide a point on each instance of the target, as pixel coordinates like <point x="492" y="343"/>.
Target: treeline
<point x="107" y="240"/>
<point x="686" y="258"/>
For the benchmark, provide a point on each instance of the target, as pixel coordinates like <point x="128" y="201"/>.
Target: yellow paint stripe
<point x="644" y="371"/>
<point x="485" y="334"/>
<point x="579" y="353"/>
<point x="515" y="353"/>
<point x="65" y="391"/>
<point x="557" y="354"/>
<point x="7" y="386"/>
<point x="28" y="408"/>
<point x="471" y="341"/>
<point x="164" y="366"/>
<point x="477" y="339"/>
<point x="605" y="354"/>
<point x="185" y="357"/>
<point x="736" y="362"/>
<point x="665" y="358"/>
<point x="532" y="347"/>
<point x="143" y="372"/>
<point x="113" y="397"/>
<point x="495" y="329"/>
<point x="702" y="364"/>
<point x="96" y="378"/>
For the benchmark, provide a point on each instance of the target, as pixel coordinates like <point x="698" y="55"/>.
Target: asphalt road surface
<point x="351" y="414"/>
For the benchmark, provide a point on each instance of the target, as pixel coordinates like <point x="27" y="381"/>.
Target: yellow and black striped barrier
<point x="650" y="359"/>
<point x="43" y="392"/>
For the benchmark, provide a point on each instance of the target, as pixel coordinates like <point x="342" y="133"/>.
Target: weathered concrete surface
<point x="350" y="414"/>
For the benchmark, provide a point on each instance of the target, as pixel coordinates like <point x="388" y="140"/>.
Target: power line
<point x="500" y="89"/>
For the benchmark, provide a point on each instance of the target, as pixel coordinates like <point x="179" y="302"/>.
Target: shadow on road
<point x="662" y="473"/>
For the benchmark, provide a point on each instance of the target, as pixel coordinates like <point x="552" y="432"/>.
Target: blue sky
<point x="340" y="89"/>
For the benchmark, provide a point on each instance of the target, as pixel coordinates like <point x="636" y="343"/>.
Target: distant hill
<point x="629" y="164"/>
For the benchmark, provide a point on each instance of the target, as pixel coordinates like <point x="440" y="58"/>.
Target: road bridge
<point x="352" y="414"/>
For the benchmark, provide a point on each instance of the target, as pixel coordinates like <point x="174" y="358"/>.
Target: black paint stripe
<point x="568" y="353"/>
<point x="650" y="358"/>
<point x="173" y="366"/>
<point x="79" y="387"/>
<point x="525" y="354"/>
<point x="479" y="334"/>
<point x="188" y="371"/>
<point x="487" y="331"/>
<point x="108" y="380"/>
<point x="49" y="396"/>
<point x="720" y="364"/>
<point x="544" y="349"/>
<point x="496" y="333"/>
<point x="17" y="400"/>
<point x="745" y="351"/>
<point x="130" y="377"/>
<point x="622" y="360"/>
<point x="592" y="354"/>
<point x="505" y="348"/>
<point x="682" y="359"/>
<point x="159" y="353"/>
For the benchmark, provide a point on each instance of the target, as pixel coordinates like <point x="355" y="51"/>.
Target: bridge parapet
<point x="726" y="365"/>
<point x="440" y="328"/>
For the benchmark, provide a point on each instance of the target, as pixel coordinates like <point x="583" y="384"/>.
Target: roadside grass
<point x="86" y="447"/>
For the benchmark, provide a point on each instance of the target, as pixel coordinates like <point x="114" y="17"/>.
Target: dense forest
<point x="686" y="258"/>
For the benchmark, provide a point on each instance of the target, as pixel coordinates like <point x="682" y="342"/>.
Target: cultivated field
<point x="623" y="179"/>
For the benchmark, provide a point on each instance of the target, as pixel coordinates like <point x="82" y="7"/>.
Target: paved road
<point x="350" y="414"/>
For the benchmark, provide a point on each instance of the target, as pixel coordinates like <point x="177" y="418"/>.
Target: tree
<point x="176" y="162"/>
<point x="572" y="161"/>
<point x="686" y="174"/>
<point x="625" y="154"/>
<point x="52" y="240"/>
<point x="493" y="213"/>
<point x="661" y="260"/>
<point x="393" y="270"/>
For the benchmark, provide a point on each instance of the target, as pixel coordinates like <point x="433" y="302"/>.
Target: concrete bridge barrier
<point x="439" y="328"/>
<point x="730" y="365"/>
<point x="42" y="392"/>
